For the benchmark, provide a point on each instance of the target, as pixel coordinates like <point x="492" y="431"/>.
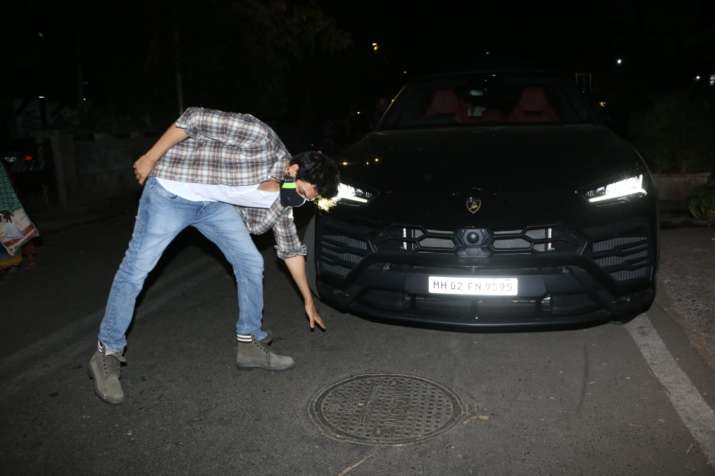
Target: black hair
<point x="318" y="169"/>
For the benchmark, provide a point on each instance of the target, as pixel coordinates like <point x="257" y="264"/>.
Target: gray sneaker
<point x="254" y="354"/>
<point x="104" y="370"/>
<point x="268" y="340"/>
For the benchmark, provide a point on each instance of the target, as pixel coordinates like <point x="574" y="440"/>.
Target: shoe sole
<point x="254" y="367"/>
<point x="90" y="374"/>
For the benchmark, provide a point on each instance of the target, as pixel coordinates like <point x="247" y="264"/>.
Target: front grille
<point x="623" y="252"/>
<point x="415" y="239"/>
<point x="512" y="244"/>
<point x="625" y="258"/>
<point x="418" y="239"/>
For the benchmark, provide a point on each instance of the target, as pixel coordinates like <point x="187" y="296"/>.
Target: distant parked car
<point x="489" y="199"/>
<point x="29" y="168"/>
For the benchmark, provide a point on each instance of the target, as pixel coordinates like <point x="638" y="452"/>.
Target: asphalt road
<point x="609" y="399"/>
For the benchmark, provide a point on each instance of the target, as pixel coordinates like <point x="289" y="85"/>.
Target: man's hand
<point x="313" y="316"/>
<point x="296" y="266"/>
<point x="142" y="168"/>
<point x="145" y="164"/>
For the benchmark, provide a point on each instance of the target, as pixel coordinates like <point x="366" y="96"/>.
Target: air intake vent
<point x="339" y="254"/>
<point x="624" y="258"/>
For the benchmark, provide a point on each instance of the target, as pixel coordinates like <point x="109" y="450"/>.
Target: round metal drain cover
<point x="385" y="409"/>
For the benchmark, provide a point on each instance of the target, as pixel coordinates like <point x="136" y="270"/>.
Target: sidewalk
<point x="686" y="284"/>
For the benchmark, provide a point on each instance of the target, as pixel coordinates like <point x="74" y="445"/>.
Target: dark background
<point x="114" y="66"/>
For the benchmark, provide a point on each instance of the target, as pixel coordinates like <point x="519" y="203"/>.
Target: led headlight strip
<point x="349" y="193"/>
<point x="621" y="189"/>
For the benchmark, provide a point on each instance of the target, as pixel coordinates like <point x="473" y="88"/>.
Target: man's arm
<point x="292" y="252"/>
<point x="296" y="266"/>
<point x="144" y="165"/>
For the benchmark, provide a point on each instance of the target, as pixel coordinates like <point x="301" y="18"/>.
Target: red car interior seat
<point x="533" y="106"/>
<point x="445" y="101"/>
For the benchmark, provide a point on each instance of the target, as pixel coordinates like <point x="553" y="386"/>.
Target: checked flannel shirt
<point x="225" y="148"/>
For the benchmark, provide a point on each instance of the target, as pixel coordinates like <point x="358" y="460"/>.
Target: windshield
<point x="486" y="100"/>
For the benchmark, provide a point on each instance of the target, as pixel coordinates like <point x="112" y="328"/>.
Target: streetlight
<point x="375" y="46"/>
<point x="619" y="61"/>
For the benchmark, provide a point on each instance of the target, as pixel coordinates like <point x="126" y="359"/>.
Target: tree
<point x="272" y="58"/>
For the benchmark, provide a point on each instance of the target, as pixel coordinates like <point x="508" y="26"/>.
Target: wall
<point x="104" y="166"/>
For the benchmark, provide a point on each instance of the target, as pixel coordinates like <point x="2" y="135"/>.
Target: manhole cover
<point x="385" y="409"/>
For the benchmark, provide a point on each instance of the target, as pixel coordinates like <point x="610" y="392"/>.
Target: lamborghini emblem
<point x="473" y="204"/>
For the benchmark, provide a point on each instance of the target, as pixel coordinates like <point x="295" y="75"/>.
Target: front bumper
<point x="570" y="277"/>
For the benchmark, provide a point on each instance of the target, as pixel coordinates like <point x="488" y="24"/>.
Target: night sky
<point x="554" y="32"/>
<point x="123" y="57"/>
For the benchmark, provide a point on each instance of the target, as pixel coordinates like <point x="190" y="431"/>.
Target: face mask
<point x="289" y="194"/>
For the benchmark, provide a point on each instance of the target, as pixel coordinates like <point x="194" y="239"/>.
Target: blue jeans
<point x="162" y="215"/>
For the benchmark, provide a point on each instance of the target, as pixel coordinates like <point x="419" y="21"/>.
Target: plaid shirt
<point x="225" y="148"/>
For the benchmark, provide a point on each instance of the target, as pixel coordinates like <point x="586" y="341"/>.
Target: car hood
<point x="499" y="159"/>
<point x="428" y="174"/>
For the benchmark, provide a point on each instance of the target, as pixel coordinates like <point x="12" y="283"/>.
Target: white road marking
<point x="692" y="408"/>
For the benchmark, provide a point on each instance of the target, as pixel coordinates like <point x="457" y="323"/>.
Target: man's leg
<point x="222" y="224"/>
<point x="160" y="218"/>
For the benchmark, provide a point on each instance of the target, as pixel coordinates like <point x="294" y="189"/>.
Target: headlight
<point x="349" y="194"/>
<point x="630" y="187"/>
